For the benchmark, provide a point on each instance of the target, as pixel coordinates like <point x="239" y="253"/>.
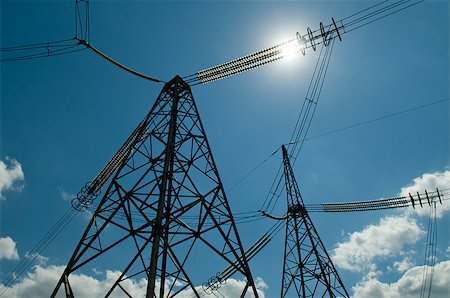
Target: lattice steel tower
<point x="164" y="217"/>
<point x="307" y="268"/>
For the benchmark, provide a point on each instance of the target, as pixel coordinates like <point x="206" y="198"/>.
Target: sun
<point x="289" y="49"/>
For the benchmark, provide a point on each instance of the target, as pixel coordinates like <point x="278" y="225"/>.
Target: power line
<point x="303" y="123"/>
<point x="38" y="249"/>
<point x="217" y="281"/>
<point x="311" y="39"/>
<point x="41" y="50"/>
<point x="377" y="119"/>
<point x="58" y="47"/>
<point x="80" y="42"/>
<point x="430" y="251"/>
<point x="330" y="132"/>
<point x="120" y="65"/>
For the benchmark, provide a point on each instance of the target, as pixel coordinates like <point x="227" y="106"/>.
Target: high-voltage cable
<point x="92" y="189"/>
<point x="40" y="50"/>
<point x="37" y="250"/>
<point x="416" y="200"/>
<point x="333" y="131"/>
<point x="216" y="282"/>
<point x="80" y="42"/>
<point x="430" y="249"/>
<point x="303" y="122"/>
<point x="120" y="65"/>
<point x="58" y="47"/>
<point x="412" y="200"/>
<point x="299" y="44"/>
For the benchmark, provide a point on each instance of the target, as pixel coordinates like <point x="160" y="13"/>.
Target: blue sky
<point x="63" y="117"/>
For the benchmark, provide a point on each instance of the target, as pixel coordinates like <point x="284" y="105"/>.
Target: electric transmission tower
<point x="164" y="216"/>
<point x="307" y="268"/>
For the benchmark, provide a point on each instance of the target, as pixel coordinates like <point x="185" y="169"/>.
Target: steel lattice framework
<point x="307" y="268"/>
<point x="165" y="206"/>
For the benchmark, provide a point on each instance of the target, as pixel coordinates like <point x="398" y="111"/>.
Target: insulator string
<point x="309" y="40"/>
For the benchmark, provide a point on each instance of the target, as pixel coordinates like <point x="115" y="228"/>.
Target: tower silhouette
<point x="307" y="268"/>
<point x="164" y="217"/>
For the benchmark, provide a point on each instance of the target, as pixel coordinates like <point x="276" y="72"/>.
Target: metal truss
<point x="164" y="218"/>
<point x="307" y="268"/>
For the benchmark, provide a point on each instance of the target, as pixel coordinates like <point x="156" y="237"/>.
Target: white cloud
<point x="409" y="285"/>
<point x="234" y="287"/>
<point x="8" y="249"/>
<point x="429" y="182"/>
<point x="42" y="280"/>
<point x="39" y="259"/>
<point x="403" y="265"/>
<point x="384" y="239"/>
<point x="9" y="175"/>
<point x="390" y="236"/>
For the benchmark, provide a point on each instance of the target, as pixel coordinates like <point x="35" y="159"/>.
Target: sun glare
<point x="289" y="49"/>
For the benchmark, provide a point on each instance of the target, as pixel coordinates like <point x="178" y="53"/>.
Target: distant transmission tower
<point x="307" y="268"/>
<point x="164" y="218"/>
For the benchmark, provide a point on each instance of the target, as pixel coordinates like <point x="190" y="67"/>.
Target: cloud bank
<point x="386" y="238"/>
<point x="41" y="281"/>
<point x="391" y="237"/>
<point x="409" y="285"/>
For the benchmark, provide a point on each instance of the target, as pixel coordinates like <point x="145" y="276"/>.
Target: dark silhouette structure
<point x="307" y="268"/>
<point x="164" y="216"/>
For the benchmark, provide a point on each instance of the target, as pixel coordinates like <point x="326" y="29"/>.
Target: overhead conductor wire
<point x="37" y="250"/>
<point x="80" y="42"/>
<point x="430" y="252"/>
<point x="310" y="39"/>
<point x="302" y="125"/>
<point x="327" y="133"/>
